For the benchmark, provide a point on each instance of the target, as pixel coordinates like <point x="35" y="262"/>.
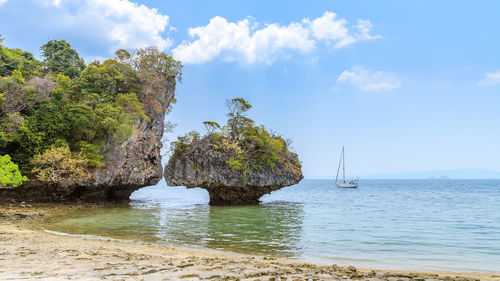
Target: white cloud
<point x="248" y="43"/>
<point x="328" y="27"/>
<point x="367" y="80"/>
<point x="236" y="41"/>
<point x="490" y="79"/>
<point x="331" y="29"/>
<point x="2" y="2"/>
<point x="123" y="24"/>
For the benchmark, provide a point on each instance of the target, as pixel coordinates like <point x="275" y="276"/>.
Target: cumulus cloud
<point x="255" y="43"/>
<point x="367" y="80"/>
<point x="237" y="41"/>
<point x="123" y="23"/>
<point x="490" y="79"/>
<point x="332" y="29"/>
<point x="2" y="2"/>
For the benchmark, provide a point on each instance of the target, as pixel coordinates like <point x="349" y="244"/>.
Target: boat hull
<point x="347" y="185"/>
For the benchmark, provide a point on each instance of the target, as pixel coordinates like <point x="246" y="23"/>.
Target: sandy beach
<point x="29" y="253"/>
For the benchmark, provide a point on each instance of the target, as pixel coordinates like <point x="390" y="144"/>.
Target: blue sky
<point x="404" y="85"/>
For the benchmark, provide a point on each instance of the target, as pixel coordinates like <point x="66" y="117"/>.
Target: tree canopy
<point x="58" y="113"/>
<point x="246" y="146"/>
<point x="16" y="59"/>
<point x="59" y="57"/>
<point x="9" y="172"/>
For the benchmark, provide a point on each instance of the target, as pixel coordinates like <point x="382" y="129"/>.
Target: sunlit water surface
<point x="397" y="224"/>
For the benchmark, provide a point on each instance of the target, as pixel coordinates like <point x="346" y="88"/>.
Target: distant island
<point x="440" y="174"/>
<point x="439" y="178"/>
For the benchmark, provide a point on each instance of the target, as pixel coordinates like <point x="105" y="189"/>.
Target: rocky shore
<point x="28" y="252"/>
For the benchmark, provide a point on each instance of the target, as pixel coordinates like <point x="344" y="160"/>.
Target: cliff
<point x="204" y="165"/>
<point x="130" y="165"/>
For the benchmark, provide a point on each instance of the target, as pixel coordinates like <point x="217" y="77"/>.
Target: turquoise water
<point x="396" y="224"/>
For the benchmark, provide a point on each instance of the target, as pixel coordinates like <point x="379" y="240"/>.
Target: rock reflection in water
<point x="268" y="229"/>
<point x="273" y="228"/>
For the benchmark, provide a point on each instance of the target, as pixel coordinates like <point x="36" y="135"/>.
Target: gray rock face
<point x="206" y="167"/>
<point x="130" y="165"/>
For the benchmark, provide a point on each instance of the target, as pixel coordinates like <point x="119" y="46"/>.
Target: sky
<point x="403" y="85"/>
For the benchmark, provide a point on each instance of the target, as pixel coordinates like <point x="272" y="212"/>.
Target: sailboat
<point x="344" y="182"/>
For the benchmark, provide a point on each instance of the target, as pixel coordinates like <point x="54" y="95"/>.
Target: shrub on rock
<point x="9" y="173"/>
<point x="236" y="163"/>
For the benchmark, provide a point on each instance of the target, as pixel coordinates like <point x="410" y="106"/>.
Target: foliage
<point x="263" y="148"/>
<point x="59" y="163"/>
<point x="237" y="120"/>
<point x="184" y="142"/>
<point x="243" y="145"/>
<point x="150" y="68"/>
<point x="130" y="104"/>
<point x="64" y="112"/>
<point x="16" y="59"/>
<point x="59" y="57"/>
<point x="151" y="61"/>
<point x="91" y="152"/>
<point x="9" y="172"/>
<point x="98" y="82"/>
<point x="211" y="126"/>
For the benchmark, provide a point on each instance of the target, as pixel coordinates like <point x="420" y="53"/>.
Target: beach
<point x="30" y="253"/>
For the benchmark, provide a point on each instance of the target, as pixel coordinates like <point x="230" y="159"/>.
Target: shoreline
<point x="28" y="252"/>
<point x="203" y="250"/>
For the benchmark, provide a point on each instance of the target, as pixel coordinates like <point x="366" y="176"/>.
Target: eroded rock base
<point x="48" y="194"/>
<point x="236" y="195"/>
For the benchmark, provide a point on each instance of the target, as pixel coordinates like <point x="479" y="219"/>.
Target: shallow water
<point x="396" y="224"/>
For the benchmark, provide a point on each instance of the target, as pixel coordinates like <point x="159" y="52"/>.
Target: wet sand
<point x="29" y="253"/>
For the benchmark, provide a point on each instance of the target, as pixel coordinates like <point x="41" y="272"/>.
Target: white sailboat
<point x="344" y="182"/>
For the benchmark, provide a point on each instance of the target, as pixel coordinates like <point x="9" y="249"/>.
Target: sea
<point x="437" y="225"/>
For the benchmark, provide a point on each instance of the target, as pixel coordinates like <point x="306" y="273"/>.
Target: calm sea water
<point x="396" y="224"/>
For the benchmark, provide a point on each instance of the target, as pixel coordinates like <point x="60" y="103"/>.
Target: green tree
<point x="237" y="119"/>
<point x="59" y="163"/>
<point x="211" y="126"/>
<point x="9" y="173"/>
<point x="16" y="59"/>
<point x="59" y="57"/>
<point x="151" y="60"/>
<point x="243" y="145"/>
<point x="91" y="152"/>
<point x="50" y="122"/>
<point x="154" y="68"/>
<point x="97" y="83"/>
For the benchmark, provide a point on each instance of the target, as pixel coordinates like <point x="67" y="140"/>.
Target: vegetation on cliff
<point x="244" y="146"/>
<point x="236" y="163"/>
<point x="57" y="114"/>
<point x="9" y="172"/>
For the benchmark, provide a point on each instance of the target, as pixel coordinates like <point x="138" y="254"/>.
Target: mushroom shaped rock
<point x="203" y="164"/>
<point x="130" y="164"/>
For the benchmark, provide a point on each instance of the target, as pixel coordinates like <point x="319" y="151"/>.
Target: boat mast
<point x="338" y="169"/>
<point x="343" y="163"/>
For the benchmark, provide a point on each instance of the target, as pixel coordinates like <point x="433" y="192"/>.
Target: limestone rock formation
<point x="205" y="166"/>
<point x="130" y="165"/>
